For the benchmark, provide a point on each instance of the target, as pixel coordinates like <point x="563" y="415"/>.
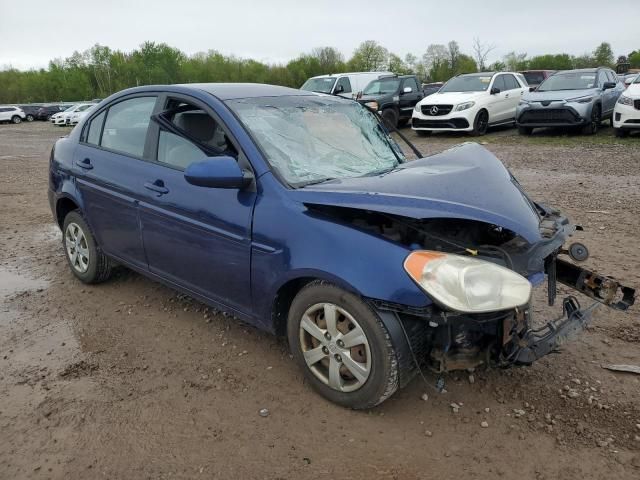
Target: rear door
<point x="514" y="92"/>
<point x="109" y="163"/>
<point x="197" y="237"/>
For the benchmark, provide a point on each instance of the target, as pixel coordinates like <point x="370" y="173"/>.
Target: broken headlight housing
<point x="466" y="284"/>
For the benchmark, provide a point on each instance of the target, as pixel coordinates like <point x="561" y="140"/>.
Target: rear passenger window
<point x="125" y="129"/>
<point x="95" y="129"/>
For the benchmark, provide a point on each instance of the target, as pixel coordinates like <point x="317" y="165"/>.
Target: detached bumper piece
<point x="605" y="290"/>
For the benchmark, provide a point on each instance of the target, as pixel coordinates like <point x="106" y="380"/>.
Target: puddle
<point x="11" y="283"/>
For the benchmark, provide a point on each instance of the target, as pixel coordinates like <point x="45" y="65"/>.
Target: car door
<point x="611" y="94"/>
<point x="514" y="92"/>
<point x="343" y="87"/>
<point x="498" y="106"/>
<point x="109" y="165"/>
<point x="196" y="237"/>
<point x="4" y="114"/>
<point x="409" y="99"/>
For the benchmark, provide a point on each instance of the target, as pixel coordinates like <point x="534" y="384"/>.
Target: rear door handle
<point x="86" y="164"/>
<point x="157" y="186"/>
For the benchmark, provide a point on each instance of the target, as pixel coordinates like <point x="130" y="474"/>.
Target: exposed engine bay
<point x="443" y="340"/>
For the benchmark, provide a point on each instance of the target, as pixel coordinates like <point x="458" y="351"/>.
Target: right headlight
<point x="466" y="284"/>
<point x="624" y="100"/>
<point x="464" y="106"/>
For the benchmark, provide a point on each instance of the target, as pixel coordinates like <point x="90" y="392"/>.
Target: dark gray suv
<point x="581" y="98"/>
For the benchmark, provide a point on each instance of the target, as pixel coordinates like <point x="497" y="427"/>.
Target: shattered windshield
<point x="322" y="85"/>
<point x="314" y="139"/>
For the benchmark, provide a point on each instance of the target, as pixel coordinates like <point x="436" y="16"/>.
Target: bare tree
<point x="481" y="51"/>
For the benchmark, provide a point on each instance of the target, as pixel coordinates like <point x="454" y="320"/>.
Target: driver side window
<point x="196" y="135"/>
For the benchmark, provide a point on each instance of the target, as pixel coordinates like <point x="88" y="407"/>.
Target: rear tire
<point x="390" y="119"/>
<point x="315" y="342"/>
<point x="591" y="128"/>
<point x="525" y="130"/>
<point x="84" y="256"/>
<point x="30" y="118"/>
<point x="480" y="124"/>
<point x="16" y="119"/>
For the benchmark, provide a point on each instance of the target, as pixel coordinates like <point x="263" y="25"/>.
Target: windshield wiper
<point x="313" y="182"/>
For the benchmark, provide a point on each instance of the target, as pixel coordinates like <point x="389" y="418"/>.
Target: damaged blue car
<point x="299" y="213"/>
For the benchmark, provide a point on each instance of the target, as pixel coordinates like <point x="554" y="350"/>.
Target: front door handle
<point x="157" y="186"/>
<point x="506" y="95"/>
<point x="86" y="164"/>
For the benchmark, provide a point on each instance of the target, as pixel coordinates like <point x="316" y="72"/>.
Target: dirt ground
<point x="129" y="380"/>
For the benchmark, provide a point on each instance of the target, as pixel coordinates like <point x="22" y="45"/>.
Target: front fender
<point x="291" y="242"/>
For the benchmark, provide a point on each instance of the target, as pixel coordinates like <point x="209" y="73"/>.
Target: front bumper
<point x="554" y="114"/>
<point x="451" y="122"/>
<point x="626" y="116"/>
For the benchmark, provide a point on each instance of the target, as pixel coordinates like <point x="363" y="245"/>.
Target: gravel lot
<point x="131" y="380"/>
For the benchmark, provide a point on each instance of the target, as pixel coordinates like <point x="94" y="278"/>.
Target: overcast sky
<point x="35" y="31"/>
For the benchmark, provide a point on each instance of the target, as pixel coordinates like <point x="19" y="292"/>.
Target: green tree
<point x="603" y="55"/>
<point x="369" y="57"/>
<point x="634" y="59"/>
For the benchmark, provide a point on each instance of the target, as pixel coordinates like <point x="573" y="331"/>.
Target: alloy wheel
<point x="335" y="347"/>
<point x="77" y="248"/>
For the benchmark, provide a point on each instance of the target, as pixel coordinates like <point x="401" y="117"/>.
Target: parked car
<point x="628" y="79"/>
<point x="535" y="77"/>
<point x="79" y="114"/>
<point x="571" y="98"/>
<point x="626" y="114"/>
<point x="347" y="85"/>
<point x="471" y="103"/>
<point x="430" y="88"/>
<point x="394" y="97"/>
<point x="45" y="112"/>
<point x="64" y="118"/>
<point x="297" y="213"/>
<point x="31" y="111"/>
<point x="11" y="114"/>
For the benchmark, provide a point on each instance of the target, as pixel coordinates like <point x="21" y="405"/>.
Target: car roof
<point x="229" y="91"/>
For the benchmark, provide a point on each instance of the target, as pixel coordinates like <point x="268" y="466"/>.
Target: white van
<point x="344" y="84"/>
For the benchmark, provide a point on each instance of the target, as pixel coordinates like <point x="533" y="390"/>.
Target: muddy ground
<point x="129" y="380"/>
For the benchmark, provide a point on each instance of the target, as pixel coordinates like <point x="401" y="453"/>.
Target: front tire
<point x="591" y="128"/>
<point x="30" y="118"/>
<point x="84" y="256"/>
<point x="480" y="124"/>
<point x="342" y="346"/>
<point x="16" y="119"/>
<point x="390" y="119"/>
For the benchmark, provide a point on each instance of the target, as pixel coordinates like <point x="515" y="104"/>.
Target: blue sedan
<point x="299" y="213"/>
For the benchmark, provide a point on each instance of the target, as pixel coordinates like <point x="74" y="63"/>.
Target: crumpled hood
<point x="559" y="95"/>
<point x="466" y="182"/>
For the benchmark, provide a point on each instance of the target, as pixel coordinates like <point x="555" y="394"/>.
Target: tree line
<point x="100" y="70"/>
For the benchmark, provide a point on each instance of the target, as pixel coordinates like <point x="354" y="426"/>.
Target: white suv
<point x="11" y="114"/>
<point x="471" y="103"/>
<point x="626" y="114"/>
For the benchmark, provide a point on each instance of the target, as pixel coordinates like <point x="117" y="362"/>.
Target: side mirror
<point x="533" y="89"/>
<point x="339" y="89"/>
<point x="217" y="172"/>
<point x="608" y="85"/>
<point x="407" y="90"/>
<point x="495" y="91"/>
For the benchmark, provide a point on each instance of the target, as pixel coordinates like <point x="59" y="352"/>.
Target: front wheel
<point x="16" y="119"/>
<point x="591" y="128"/>
<point x="480" y="124"/>
<point x="85" y="258"/>
<point x="342" y="346"/>
<point x="390" y="119"/>
<point x="30" y="118"/>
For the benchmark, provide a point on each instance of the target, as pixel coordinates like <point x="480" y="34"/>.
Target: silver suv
<point x="581" y="98"/>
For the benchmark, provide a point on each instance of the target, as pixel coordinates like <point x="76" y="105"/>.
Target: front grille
<point x="548" y="115"/>
<point x="451" y="123"/>
<point x="637" y="104"/>
<point x="436" y="110"/>
<point x="635" y="121"/>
